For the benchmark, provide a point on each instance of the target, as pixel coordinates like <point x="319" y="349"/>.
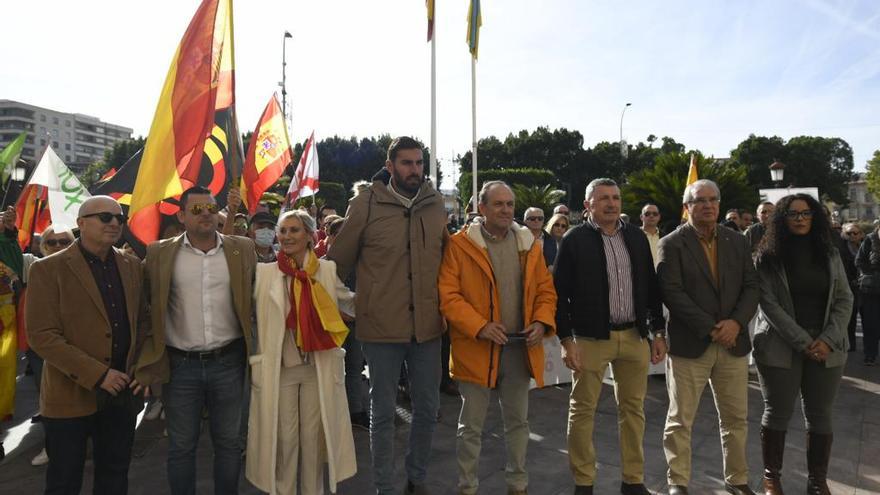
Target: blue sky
<point x="706" y="73"/>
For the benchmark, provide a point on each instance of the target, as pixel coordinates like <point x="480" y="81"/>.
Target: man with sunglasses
<point x="650" y="220"/>
<point x="200" y="287"/>
<point x="711" y="289"/>
<point x="83" y="319"/>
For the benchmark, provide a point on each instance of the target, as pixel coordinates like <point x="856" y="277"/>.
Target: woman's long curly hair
<point x="774" y="244"/>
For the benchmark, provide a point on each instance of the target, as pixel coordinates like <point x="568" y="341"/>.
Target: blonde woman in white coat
<point x="299" y="414"/>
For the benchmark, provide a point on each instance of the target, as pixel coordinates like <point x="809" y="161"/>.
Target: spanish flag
<point x="267" y="156"/>
<point x="31" y="213"/>
<point x="200" y="85"/>
<point x="475" y="20"/>
<point x="693" y="176"/>
<point x="430" y="5"/>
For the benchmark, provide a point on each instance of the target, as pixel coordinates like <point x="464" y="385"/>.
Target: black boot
<point x="772" y="448"/>
<point x="818" y="455"/>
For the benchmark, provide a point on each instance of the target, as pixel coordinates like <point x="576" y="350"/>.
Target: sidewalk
<point x="855" y="466"/>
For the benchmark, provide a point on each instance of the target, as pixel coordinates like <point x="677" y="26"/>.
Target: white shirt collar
<point x="210" y="252"/>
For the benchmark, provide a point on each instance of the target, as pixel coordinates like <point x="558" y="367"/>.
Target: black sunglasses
<point x="107" y="217"/>
<point x="57" y="242"/>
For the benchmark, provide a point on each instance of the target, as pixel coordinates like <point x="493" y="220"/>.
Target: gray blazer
<point x="777" y="333"/>
<point x="695" y="303"/>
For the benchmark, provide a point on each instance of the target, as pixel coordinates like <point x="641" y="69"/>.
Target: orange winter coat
<point x="469" y="300"/>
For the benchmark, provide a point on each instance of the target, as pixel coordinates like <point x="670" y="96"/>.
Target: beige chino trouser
<point x="513" y="395"/>
<point x="629" y="355"/>
<point x="686" y="378"/>
<point x="300" y="433"/>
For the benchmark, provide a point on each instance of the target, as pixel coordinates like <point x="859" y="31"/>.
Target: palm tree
<point x="664" y="184"/>
<point x="543" y="197"/>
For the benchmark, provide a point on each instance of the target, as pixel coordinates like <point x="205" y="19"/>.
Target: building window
<point x="55" y="144"/>
<point x="67" y="147"/>
<point x="66" y="123"/>
<point x="869" y="213"/>
<point x="55" y="133"/>
<point x="868" y="198"/>
<point x="67" y="158"/>
<point x="55" y="120"/>
<point x="42" y="118"/>
<point x="42" y="142"/>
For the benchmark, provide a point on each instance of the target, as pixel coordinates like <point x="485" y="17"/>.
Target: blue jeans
<point x="217" y="383"/>
<point x="423" y="368"/>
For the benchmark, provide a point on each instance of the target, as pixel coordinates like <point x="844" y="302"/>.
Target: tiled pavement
<point x="855" y="466"/>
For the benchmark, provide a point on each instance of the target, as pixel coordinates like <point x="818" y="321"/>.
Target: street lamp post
<point x="287" y="36"/>
<point x="623" y="149"/>
<point x="777" y="172"/>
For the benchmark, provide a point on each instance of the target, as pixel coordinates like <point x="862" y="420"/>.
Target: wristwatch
<point x="659" y="335"/>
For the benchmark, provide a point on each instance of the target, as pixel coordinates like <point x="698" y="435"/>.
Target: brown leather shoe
<point x="634" y="489"/>
<point x="738" y="489"/>
<point x="678" y="490"/>
<point x="583" y="490"/>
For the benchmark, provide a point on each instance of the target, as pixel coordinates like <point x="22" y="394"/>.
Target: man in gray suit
<point x="710" y="286"/>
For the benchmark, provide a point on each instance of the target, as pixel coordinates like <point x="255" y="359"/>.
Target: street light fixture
<point x="777" y="171"/>
<point x="623" y="148"/>
<point x="287" y="36"/>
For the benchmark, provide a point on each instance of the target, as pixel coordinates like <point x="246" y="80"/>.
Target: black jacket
<point x="549" y="249"/>
<point x="581" y="279"/>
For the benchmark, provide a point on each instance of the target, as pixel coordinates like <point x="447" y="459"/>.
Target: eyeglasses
<point x="563" y="225"/>
<point x="198" y="208"/>
<point x="651" y="213"/>
<point x="63" y="242"/>
<point x="107" y="217"/>
<point x="796" y="215"/>
<point x="704" y="201"/>
<point x="533" y="219"/>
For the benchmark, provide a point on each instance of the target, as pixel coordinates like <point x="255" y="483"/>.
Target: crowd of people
<point x="265" y="325"/>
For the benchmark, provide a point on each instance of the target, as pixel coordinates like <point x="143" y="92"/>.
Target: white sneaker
<point x="41" y="459"/>
<point x="153" y="410"/>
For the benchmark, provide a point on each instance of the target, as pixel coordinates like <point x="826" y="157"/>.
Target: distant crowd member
<point x="322" y="246"/>
<point x="201" y="292"/>
<point x="262" y="232"/>
<point x="393" y="237"/>
<point x="800" y="341"/>
<point x="756" y="232"/>
<point x="533" y="218"/>
<point x="848" y="244"/>
<point x="711" y="289"/>
<point x="650" y="220"/>
<point x="609" y="303"/>
<point x="561" y="209"/>
<point x="557" y="226"/>
<point x="732" y="220"/>
<point x="746" y="219"/>
<point x="298" y="413"/>
<point x="87" y="389"/>
<point x="499" y="309"/>
<point x="868" y="262"/>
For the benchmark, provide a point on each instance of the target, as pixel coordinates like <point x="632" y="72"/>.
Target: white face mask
<point x="264" y="237"/>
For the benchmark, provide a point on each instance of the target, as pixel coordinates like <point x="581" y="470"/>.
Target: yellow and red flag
<point x="267" y="156"/>
<point x="32" y="213"/>
<point x="693" y="176"/>
<point x="196" y="108"/>
<point x="430" y="5"/>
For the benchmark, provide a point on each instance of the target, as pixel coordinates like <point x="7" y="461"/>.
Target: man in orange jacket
<point x="498" y="297"/>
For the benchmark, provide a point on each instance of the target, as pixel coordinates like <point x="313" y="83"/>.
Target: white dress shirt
<point x="201" y="315"/>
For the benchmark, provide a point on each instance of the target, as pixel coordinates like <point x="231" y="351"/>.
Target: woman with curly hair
<point x="800" y="341"/>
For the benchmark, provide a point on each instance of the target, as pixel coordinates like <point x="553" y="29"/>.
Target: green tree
<point x="114" y="158"/>
<point x="810" y="161"/>
<point x="518" y="176"/>
<point x="664" y="184"/>
<point x="873" y="175"/>
<point x="543" y="197"/>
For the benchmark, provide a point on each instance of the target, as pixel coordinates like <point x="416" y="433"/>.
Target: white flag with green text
<point x="66" y="192"/>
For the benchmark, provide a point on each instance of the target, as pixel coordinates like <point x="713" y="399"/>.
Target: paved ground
<point x="855" y="466"/>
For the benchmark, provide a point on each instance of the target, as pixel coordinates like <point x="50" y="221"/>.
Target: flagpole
<point x="434" y="104"/>
<point x="474" y="131"/>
